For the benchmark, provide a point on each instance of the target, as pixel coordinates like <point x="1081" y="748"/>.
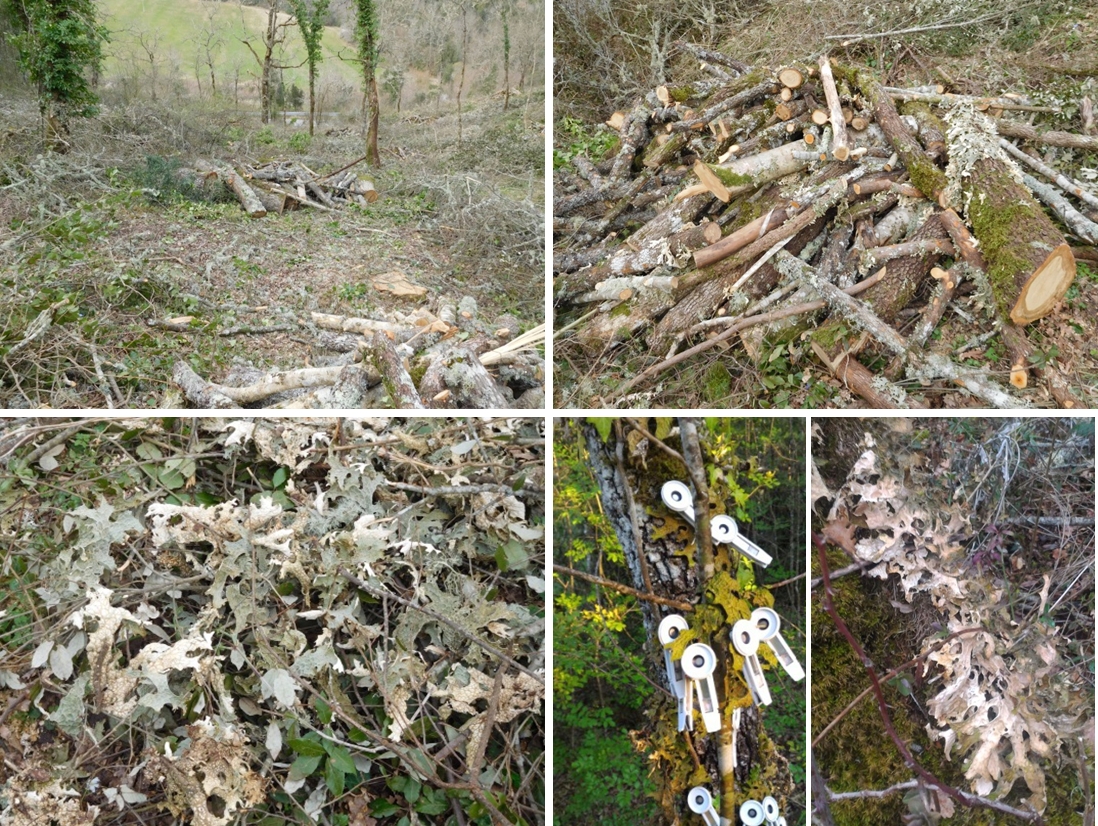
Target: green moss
<point x="622" y="309"/>
<point x="718" y="382"/>
<point x="925" y="176"/>
<point x="997" y="228"/>
<point x="729" y="178"/>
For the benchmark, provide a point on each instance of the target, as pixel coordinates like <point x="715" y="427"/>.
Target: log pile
<point x="812" y="207"/>
<point x="457" y="359"/>
<point x="276" y="186"/>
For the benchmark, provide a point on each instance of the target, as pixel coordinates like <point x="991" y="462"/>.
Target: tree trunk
<point x="652" y="539"/>
<point x="1030" y="266"/>
<point x="373" y="156"/>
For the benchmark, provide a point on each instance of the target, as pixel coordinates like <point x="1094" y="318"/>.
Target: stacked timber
<point x="812" y="204"/>
<point x="461" y="361"/>
<point x="280" y="185"/>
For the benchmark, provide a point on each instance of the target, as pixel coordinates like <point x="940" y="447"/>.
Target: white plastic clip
<point x="770" y="809"/>
<point x="678" y="498"/>
<point x="698" y="663"/>
<point x="701" y="803"/>
<point x="751" y="813"/>
<point x="727" y="532"/>
<point x="769" y="624"/>
<point x="745" y="638"/>
<point x="723" y="529"/>
<point x="670" y="627"/>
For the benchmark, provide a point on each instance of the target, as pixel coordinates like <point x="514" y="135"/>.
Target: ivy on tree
<point x="366" y="34"/>
<point x="59" y="41"/>
<point x="311" y="21"/>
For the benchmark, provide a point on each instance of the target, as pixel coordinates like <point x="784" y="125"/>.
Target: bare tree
<point x="207" y="42"/>
<point x="274" y="39"/>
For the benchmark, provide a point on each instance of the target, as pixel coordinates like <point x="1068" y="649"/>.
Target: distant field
<point x="175" y="29"/>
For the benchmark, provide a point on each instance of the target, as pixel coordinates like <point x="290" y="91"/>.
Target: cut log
<point x="1030" y="265"/>
<point x="382" y="354"/>
<point x="820" y="116"/>
<point x="926" y="177"/>
<point x="1073" y="219"/>
<point x="745" y="174"/>
<point x="365" y="188"/>
<point x="1052" y="138"/>
<point x="232" y="179"/>
<point x="469" y="383"/>
<point x="740" y="238"/>
<point x="709" y="179"/>
<point x="931" y="129"/>
<point x="200" y="391"/>
<point x="791" y="77"/>
<point x="840" y="145"/>
<point x="1069" y="185"/>
<point x="366" y="326"/>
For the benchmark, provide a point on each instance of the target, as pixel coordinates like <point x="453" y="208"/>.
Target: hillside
<point x="172" y="37"/>
<point x="130" y="261"/>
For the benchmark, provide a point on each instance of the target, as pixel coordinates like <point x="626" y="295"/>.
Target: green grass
<point x="176" y="26"/>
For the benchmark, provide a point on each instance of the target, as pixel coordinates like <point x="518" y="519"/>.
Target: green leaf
<point x="433" y="802"/>
<point x="303" y="767"/>
<point x="171" y="479"/>
<point x="602" y="424"/>
<point x="280" y="477"/>
<point x="383" y="808"/>
<point x="308" y="748"/>
<point x="148" y="450"/>
<point x="412" y="790"/>
<point x="512" y="554"/>
<point x="335" y="778"/>
<point x="340" y="757"/>
<point x="323" y="711"/>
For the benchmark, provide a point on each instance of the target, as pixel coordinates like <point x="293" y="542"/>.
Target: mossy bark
<point x="931" y="130"/>
<point x="1024" y="251"/>
<point x="927" y="177"/>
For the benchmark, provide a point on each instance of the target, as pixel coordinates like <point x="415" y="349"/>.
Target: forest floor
<point x="107" y="228"/>
<point x="1039" y="50"/>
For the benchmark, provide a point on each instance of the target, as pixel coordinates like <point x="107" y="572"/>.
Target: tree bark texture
<point x="1030" y="266"/>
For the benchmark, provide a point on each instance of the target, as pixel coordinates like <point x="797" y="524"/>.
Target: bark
<point x="1072" y="218"/>
<point x="931" y="130"/>
<point x="232" y="179"/>
<point x="1050" y="138"/>
<point x="745" y="174"/>
<point x="366" y="326"/>
<point x="840" y="145"/>
<point x="1070" y="186"/>
<point x="1030" y="266"/>
<point x="382" y="354"/>
<point x="469" y="383"/>
<point x="739" y="239"/>
<point x="920" y="366"/>
<point x="924" y="174"/>
<point x="702" y="301"/>
<point x="199" y="391"/>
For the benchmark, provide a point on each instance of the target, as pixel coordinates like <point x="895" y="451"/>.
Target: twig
<point x="854" y="38"/>
<point x="491" y="649"/>
<point x="670" y="451"/>
<point x="743" y="324"/>
<point x="623" y="589"/>
<point x="452" y="490"/>
<point x="695" y="466"/>
<point x="875" y="794"/>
